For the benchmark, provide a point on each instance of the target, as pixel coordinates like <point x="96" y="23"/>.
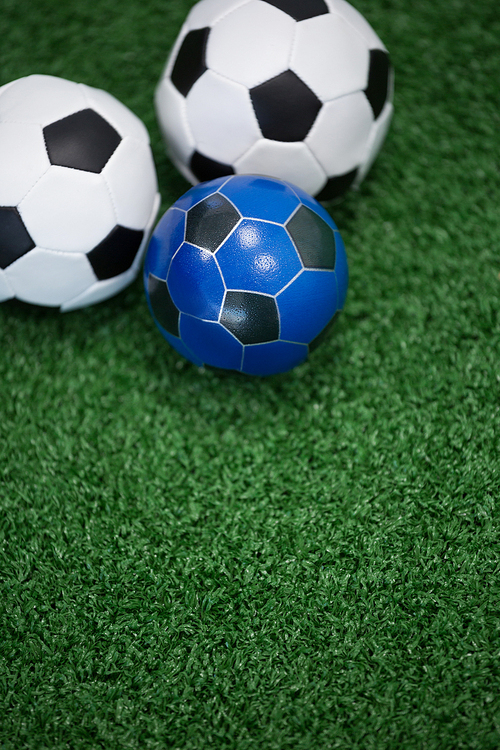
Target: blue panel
<point x="307" y="305"/>
<point x="273" y="358"/>
<point x="180" y="346"/>
<point x="341" y="270"/>
<point x="258" y="257"/>
<point x="211" y="343"/>
<point x="166" y="239"/>
<point x="198" y="192"/>
<point x="195" y="283"/>
<point x="261" y="197"/>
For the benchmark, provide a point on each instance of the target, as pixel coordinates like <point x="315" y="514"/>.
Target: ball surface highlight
<point x="245" y="273"/>
<point x="295" y="89"/>
<point x="78" y="193"/>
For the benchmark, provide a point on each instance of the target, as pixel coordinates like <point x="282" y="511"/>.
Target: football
<point x="245" y="273"/>
<point x="78" y="193"/>
<point x="296" y="89"/>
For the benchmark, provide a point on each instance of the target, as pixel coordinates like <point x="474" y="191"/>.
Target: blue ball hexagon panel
<point x="195" y="283"/>
<point x="258" y="257"/>
<point x="261" y="198"/>
<point x="213" y="344"/>
<point x="307" y="305"/>
<point x="165" y="241"/>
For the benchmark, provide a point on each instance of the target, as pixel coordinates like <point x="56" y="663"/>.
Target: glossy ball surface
<point x="245" y="273"/>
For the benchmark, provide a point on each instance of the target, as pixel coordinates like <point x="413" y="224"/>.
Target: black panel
<point x="324" y="334"/>
<point x="205" y="169"/>
<point x="209" y="222"/>
<point x="253" y="318"/>
<point x="378" y="80"/>
<point x="301" y="9"/>
<point x="337" y="186"/>
<point x="84" y="141"/>
<point x="313" y="238"/>
<point x="190" y="62"/>
<point x="285" y="107"/>
<point x="116" y="253"/>
<point x="14" y="238"/>
<point x="163" y="307"/>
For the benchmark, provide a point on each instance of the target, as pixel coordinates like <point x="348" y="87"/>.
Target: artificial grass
<point x="198" y="560"/>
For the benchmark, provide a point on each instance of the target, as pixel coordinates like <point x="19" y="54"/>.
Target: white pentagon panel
<point x="46" y="277"/>
<point x="251" y="44"/>
<point x="339" y="136"/>
<point x="221" y="117"/>
<point x="293" y="162"/>
<point x="377" y="136"/>
<point x="6" y="291"/>
<point x="23" y="160"/>
<point x="41" y="99"/>
<point x="172" y="118"/>
<point x="131" y="177"/>
<point x="124" y="121"/>
<point x="357" y="21"/>
<point x="208" y="12"/>
<point x="68" y="210"/>
<point x="330" y="56"/>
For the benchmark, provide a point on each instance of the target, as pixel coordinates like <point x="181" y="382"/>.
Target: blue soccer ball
<point x="245" y="273"/>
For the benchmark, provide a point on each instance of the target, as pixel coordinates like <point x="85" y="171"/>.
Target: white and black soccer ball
<point x="300" y="90"/>
<point x="78" y="193"/>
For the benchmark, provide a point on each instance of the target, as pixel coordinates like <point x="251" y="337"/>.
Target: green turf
<point x="311" y="561"/>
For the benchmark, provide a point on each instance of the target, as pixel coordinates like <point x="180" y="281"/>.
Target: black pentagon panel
<point x="301" y="9"/>
<point x="205" y="169"/>
<point x="210" y="221"/>
<point x="253" y="318"/>
<point x="313" y="238"/>
<point x="164" y="310"/>
<point x="324" y="334"/>
<point x="285" y="107"/>
<point x="15" y="240"/>
<point x="116" y="253"/>
<point x="190" y="63"/>
<point x="84" y="140"/>
<point x="378" y="80"/>
<point x="337" y="186"/>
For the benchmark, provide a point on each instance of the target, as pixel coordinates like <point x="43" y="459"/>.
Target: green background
<point x="190" y="559"/>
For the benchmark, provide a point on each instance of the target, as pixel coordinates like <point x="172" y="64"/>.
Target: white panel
<point x="6" y="291"/>
<point x="68" y="210"/>
<point x="45" y="277"/>
<point x="172" y="118"/>
<point x="251" y="44"/>
<point x="5" y="87"/>
<point x="41" y="99"/>
<point x="221" y="118"/>
<point x="117" y="114"/>
<point x="357" y="21"/>
<point x="339" y="136"/>
<point x="207" y="12"/>
<point x="375" y="141"/>
<point x="102" y="290"/>
<point x="292" y="162"/>
<point x="131" y="178"/>
<point x="330" y="57"/>
<point x="23" y="160"/>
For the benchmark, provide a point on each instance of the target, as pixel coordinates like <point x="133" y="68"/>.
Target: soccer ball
<point x="295" y="89"/>
<point x="78" y="193"/>
<point x="245" y="273"/>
